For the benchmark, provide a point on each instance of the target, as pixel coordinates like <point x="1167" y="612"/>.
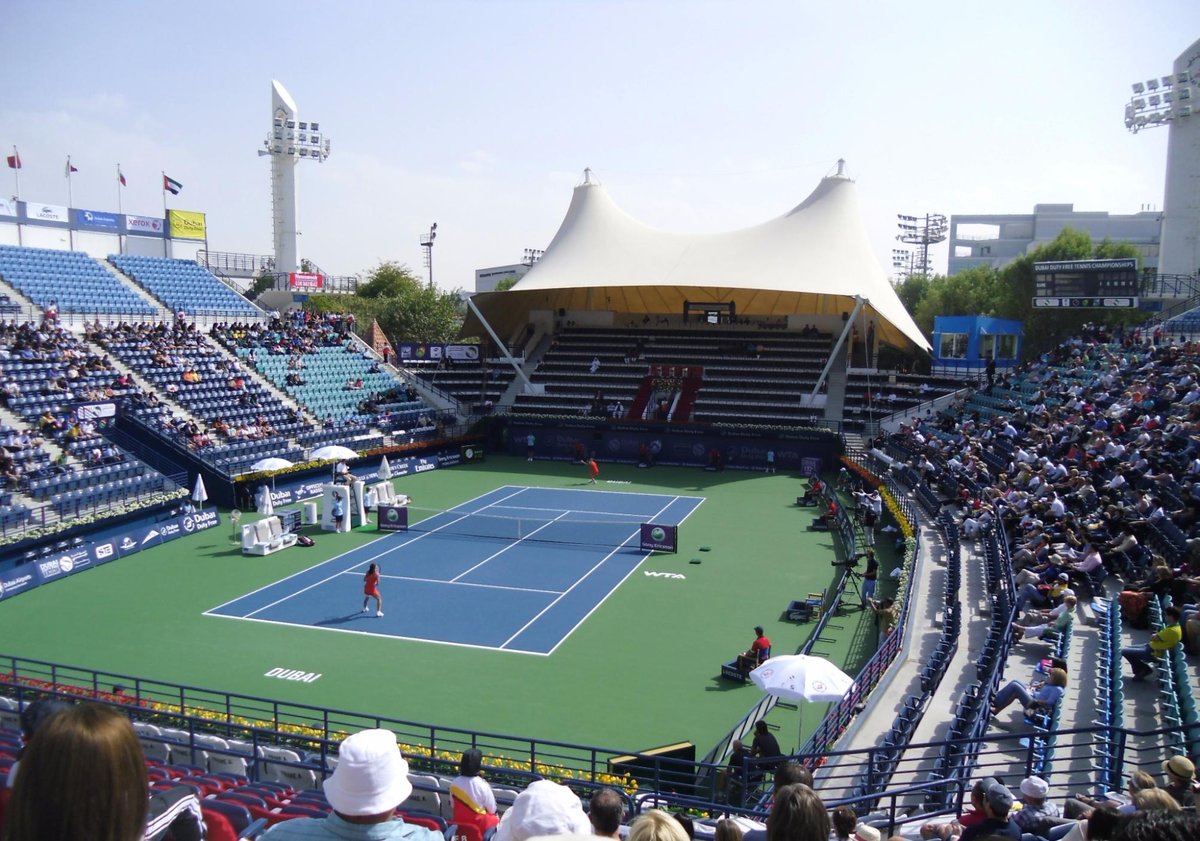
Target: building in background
<point x="995" y="240"/>
<point x="486" y="279"/>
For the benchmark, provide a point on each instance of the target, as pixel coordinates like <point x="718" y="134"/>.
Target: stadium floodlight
<point x="287" y="147"/>
<point x="427" y="239"/>
<point x="922" y="231"/>
<point x="532" y="255"/>
<point x="1162" y="92"/>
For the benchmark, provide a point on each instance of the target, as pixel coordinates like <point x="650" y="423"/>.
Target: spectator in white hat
<point x="1038" y="813"/>
<point x="544" y="808"/>
<point x="370" y="781"/>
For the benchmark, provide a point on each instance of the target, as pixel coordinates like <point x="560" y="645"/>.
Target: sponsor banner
<point x="810" y="466"/>
<point x="144" y="225"/>
<point x="393" y="518"/>
<point x="199" y="520"/>
<point x="420" y="352"/>
<point x="96" y="411"/>
<point x="18" y="580"/>
<point x="186" y="224"/>
<point x="104" y="551"/>
<point x="62" y="564"/>
<point x="47" y="212"/>
<point x="420" y="465"/>
<point x="127" y="545"/>
<point x="657" y="537"/>
<point x="8" y="207"/>
<point x="96" y="220"/>
<point x="462" y="353"/>
<point x="470" y="453"/>
<point x="306" y="280"/>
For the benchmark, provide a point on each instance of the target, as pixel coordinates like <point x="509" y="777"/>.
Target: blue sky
<point x="480" y="116"/>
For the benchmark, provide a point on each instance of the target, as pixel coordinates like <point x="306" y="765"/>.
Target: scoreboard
<point x="1076" y="284"/>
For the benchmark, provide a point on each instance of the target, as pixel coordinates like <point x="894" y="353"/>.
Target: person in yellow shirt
<point x="1144" y="657"/>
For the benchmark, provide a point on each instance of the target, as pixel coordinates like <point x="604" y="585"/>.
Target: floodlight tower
<point x="288" y="142"/>
<point x="1174" y="100"/>
<point x="921" y="231"/>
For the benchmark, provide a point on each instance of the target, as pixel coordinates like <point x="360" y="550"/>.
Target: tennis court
<point x="516" y="569"/>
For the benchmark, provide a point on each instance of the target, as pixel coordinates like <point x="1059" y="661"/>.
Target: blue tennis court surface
<point x="517" y="569"/>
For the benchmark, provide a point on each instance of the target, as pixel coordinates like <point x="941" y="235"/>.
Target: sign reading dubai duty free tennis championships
<point x="660" y="538"/>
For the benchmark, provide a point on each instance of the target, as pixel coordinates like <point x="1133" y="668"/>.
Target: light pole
<point x="921" y="232"/>
<point x="288" y="142"/>
<point x="1173" y="100"/>
<point x="427" y="239"/>
<point x="532" y="255"/>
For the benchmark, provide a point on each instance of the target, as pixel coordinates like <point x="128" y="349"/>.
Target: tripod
<point x="853" y="577"/>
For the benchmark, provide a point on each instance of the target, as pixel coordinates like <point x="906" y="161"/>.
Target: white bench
<point x="265" y="536"/>
<point x="384" y="493"/>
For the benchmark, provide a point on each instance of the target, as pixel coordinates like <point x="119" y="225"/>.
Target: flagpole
<point x="70" y="202"/>
<point x="120" y="212"/>
<point x="17" y="179"/>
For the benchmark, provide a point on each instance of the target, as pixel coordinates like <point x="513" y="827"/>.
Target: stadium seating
<point x="185" y="286"/>
<point x="70" y="280"/>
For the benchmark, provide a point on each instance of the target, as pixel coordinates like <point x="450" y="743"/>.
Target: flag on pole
<point x="14" y="160"/>
<point x="121" y="177"/>
<point x="171" y="185"/>
<point x="70" y="168"/>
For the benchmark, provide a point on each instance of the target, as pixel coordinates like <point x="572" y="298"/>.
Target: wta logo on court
<point x="659" y="538"/>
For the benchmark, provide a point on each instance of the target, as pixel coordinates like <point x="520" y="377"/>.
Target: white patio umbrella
<point x="199" y="492"/>
<point x="802" y="677"/>
<point x="385" y="469"/>
<point x="272" y="463"/>
<point x="333" y="451"/>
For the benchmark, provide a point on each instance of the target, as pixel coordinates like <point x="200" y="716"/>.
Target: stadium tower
<point x="1174" y="101"/>
<point x="288" y="142"/>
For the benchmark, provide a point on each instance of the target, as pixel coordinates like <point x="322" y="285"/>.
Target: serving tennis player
<point x="371" y="589"/>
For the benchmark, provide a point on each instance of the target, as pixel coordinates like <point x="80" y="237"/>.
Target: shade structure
<point x="333" y="451"/>
<point x="813" y="260"/>
<point x="802" y="677"/>
<point x="199" y="492"/>
<point x="272" y="463"/>
<point x="385" y="469"/>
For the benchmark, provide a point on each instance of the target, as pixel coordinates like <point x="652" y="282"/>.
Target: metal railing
<point x="229" y="261"/>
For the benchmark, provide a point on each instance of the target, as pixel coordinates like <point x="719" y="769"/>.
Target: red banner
<point x="306" y="280"/>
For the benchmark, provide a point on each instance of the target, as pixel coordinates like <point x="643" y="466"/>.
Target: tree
<point x="407" y="309"/>
<point x="912" y="291"/>
<point x="263" y="283"/>
<point x="974" y="291"/>
<point x="507" y="283"/>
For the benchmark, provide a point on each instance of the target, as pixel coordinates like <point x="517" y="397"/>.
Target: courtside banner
<point x="146" y="226"/>
<point x="63" y="564"/>
<point x="462" y="353"/>
<point x="660" y="538"/>
<point x="186" y="224"/>
<point x="393" y="518"/>
<point x="470" y="452"/>
<point x="18" y="580"/>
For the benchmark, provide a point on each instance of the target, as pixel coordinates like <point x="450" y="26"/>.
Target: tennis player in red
<point x="371" y="589"/>
<point x="594" y="468"/>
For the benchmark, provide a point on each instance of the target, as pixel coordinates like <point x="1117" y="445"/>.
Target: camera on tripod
<point x="852" y="561"/>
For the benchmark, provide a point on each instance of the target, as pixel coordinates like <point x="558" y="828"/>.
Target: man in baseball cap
<point x="370" y="781"/>
<point x="1038" y="812"/>
<point x="997" y="800"/>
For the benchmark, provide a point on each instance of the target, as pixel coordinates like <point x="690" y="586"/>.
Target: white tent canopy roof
<point x="813" y="259"/>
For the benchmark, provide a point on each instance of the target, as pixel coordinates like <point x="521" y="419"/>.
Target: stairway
<point x="164" y="312"/>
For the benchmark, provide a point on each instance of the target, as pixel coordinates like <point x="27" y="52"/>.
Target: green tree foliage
<point x="507" y="283"/>
<point x="263" y="283"/>
<point x="407" y="309"/>
<point x="912" y="290"/>
<point x="972" y="292"/>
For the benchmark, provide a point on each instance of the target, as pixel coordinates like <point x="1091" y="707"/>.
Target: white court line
<point x="495" y="555"/>
<point x="383" y="636"/>
<point x="624" y="578"/>
<point x="640" y="514"/>
<point x="593" y="493"/>
<point x="464" y="584"/>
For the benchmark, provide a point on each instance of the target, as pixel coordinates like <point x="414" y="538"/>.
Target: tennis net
<point x="578" y="528"/>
